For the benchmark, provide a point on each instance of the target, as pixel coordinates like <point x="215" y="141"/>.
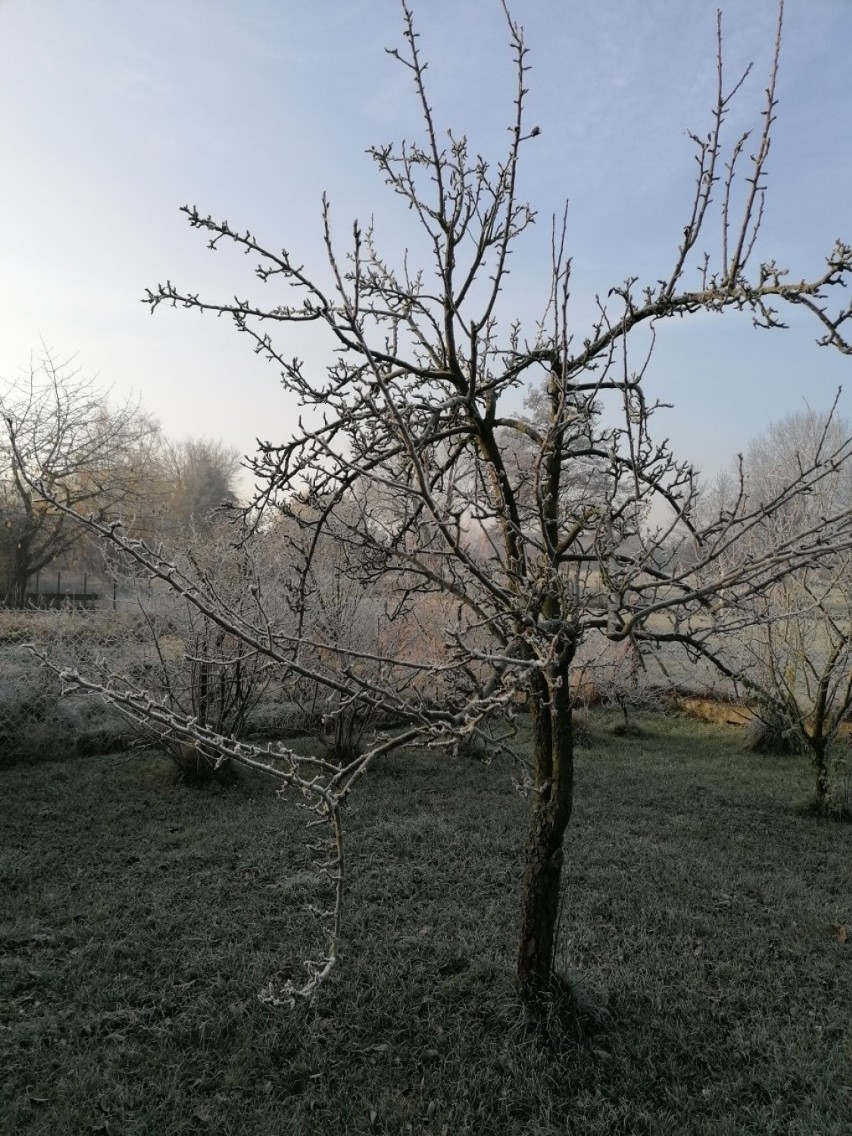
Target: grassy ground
<point x="139" y="920"/>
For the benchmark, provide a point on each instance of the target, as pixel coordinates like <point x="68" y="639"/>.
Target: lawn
<point x="707" y="921"/>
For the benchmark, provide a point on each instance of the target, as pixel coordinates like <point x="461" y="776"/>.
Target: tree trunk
<point x="553" y="755"/>
<point x="20" y="582"/>
<point x="822" y="779"/>
<point x="20" y="572"/>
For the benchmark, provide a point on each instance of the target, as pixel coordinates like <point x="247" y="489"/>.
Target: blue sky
<point x="115" y="114"/>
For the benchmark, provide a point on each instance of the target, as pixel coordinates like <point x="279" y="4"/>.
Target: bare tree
<point x="88" y="455"/>
<point x="197" y="481"/>
<point x="794" y="654"/>
<point x="410" y="462"/>
<point x="184" y="488"/>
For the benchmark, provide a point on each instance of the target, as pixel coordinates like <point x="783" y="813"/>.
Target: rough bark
<point x="550" y="813"/>
<point x="820" y="752"/>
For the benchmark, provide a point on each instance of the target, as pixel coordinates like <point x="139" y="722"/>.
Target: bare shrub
<point x="614" y="676"/>
<point x="186" y="661"/>
<point x="581" y="728"/>
<point x="771" y="732"/>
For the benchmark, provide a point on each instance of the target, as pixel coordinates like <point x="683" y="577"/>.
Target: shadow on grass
<point x="139" y="920"/>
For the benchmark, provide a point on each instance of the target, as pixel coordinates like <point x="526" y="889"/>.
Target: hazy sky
<point x="116" y="113"/>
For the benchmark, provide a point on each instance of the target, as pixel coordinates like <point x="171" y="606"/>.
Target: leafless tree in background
<point x="89" y="456"/>
<point x="198" y="480"/>
<point x="527" y="533"/>
<point x="793" y="656"/>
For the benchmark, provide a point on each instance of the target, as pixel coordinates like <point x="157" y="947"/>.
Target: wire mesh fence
<point x="158" y="648"/>
<point x="37" y="721"/>
<point x="143" y="648"/>
<point x="154" y="644"/>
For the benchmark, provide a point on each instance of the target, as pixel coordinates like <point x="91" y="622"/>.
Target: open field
<point x="712" y="927"/>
